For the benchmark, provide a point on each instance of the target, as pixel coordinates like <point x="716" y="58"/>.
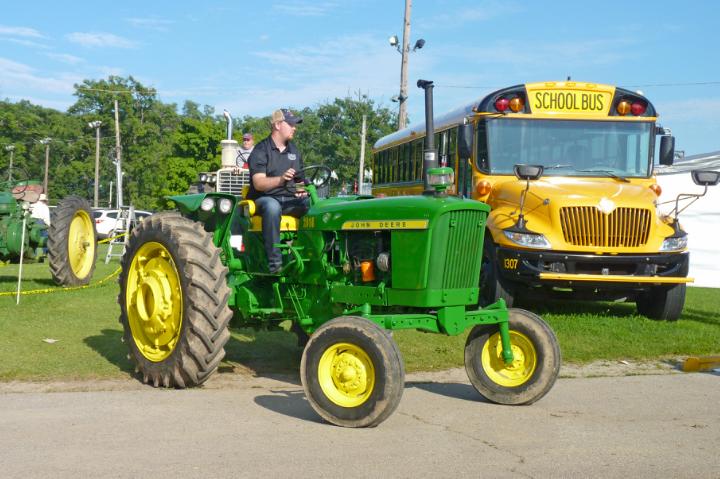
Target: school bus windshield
<point x="567" y="147"/>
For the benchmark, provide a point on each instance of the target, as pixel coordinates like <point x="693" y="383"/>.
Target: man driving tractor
<point x="273" y="165"/>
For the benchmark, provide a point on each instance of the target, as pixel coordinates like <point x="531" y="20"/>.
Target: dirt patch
<point x="243" y="378"/>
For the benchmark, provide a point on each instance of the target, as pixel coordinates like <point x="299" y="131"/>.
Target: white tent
<point x="701" y="220"/>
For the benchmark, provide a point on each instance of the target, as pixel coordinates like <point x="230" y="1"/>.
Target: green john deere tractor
<point x="69" y="242"/>
<point x="355" y="269"/>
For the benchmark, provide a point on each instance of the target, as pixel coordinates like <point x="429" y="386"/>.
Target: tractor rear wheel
<point x="492" y="286"/>
<point x="352" y="372"/>
<point x="72" y="242"/>
<point x="174" y="301"/>
<point x="534" y="368"/>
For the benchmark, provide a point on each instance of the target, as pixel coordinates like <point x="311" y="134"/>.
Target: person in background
<point x="40" y="210"/>
<point x="248" y="143"/>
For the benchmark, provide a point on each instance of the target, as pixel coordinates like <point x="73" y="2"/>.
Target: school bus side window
<point x="481" y="152"/>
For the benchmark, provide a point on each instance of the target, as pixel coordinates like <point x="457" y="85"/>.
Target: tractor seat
<point x="287" y="223"/>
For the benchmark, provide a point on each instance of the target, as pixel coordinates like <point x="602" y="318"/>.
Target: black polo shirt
<point x="266" y="158"/>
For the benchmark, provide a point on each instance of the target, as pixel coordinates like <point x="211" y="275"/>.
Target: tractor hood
<point x="399" y="212"/>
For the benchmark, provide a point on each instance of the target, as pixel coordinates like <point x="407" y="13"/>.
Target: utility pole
<point x="118" y="156"/>
<point x="46" y="142"/>
<point x="96" y="124"/>
<point x="11" y="149"/>
<point x="402" y="118"/>
<point x="361" y="172"/>
<point x="110" y="196"/>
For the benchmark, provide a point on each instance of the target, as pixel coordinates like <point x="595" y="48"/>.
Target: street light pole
<point x="96" y="124"/>
<point x="11" y="149"/>
<point x="402" y="116"/>
<point x="405" y="52"/>
<point x="46" y="142"/>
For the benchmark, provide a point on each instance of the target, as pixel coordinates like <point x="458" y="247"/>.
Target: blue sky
<point x="252" y="57"/>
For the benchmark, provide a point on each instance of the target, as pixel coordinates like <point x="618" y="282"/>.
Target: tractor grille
<point x="229" y="182"/>
<point x="464" y="248"/>
<point x="588" y="226"/>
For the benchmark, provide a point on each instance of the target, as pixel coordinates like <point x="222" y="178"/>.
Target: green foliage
<point x="164" y="149"/>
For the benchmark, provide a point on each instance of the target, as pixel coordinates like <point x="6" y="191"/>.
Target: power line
<point x="679" y="84"/>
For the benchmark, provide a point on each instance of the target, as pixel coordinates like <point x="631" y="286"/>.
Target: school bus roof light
<point x="638" y="108"/>
<point x="502" y="104"/>
<point x="517" y="104"/>
<point x="623" y="108"/>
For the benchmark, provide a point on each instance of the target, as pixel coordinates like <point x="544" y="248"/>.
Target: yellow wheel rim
<point x="346" y="374"/>
<point x="81" y="244"/>
<point x="522" y="367"/>
<point x="154" y="301"/>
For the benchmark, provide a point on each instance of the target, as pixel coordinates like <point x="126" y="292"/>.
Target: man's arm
<point x="262" y="182"/>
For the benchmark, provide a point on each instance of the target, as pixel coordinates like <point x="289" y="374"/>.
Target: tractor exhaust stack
<point x="430" y="154"/>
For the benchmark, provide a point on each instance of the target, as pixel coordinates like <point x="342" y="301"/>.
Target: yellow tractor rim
<point x="154" y="301"/>
<point x="346" y="374"/>
<point x="522" y="367"/>
<point x="81" y="244"/>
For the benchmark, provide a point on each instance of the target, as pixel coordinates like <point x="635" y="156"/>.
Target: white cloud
<point x="100" y="39"/>
<point x="18" y="79"/>
<point x="304" y="8"/>
<point x="151" y="23"/>
<point x="20" y="32"/>
<point x="66" y="58"/>
<point x="26" y="43"/>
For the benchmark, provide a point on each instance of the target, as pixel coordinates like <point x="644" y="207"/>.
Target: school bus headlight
<point x="674" y="243"/>
<point x="529" y="240"/>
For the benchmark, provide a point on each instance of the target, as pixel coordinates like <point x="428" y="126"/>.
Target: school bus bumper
<point x="565" y="269"/>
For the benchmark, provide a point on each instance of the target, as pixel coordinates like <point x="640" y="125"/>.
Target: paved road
<point x="638" y="426"/>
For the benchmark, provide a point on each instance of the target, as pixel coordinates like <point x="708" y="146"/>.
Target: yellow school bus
<point x="585" y="225"/>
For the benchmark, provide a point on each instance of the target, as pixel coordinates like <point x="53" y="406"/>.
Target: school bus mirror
<point x="705" y="177"/>
<point x="667" y="150"/>
<point x="528" y="172"/>
<point x="464" y="141"/>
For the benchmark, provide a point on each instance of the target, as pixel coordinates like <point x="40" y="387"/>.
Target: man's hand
<point x="289" y="174"/>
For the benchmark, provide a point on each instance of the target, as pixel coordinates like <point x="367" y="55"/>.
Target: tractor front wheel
<point x="174" y="301"/>
<point x="352" y="372"/>
<point x="535" y="365"/>
<point x="72" y="242"/>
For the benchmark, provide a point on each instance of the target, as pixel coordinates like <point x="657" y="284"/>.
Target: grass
<point x="85" y="323"/>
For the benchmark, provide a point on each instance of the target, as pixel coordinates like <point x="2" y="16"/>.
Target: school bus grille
<point x="588" y="226"/>
<point x="464" y="240"/>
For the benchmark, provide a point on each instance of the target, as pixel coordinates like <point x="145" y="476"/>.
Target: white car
<point x="105" y="220"/>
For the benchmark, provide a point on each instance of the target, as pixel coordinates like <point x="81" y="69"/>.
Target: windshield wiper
<point x="552" y="167"/>
<point x="606" y="173"/>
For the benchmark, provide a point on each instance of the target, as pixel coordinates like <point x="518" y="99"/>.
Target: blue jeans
<point x="271" y="208"/>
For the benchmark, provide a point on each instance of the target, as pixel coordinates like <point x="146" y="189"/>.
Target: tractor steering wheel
<point x="318" y="175"/>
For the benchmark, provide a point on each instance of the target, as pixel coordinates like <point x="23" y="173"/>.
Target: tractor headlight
<point x="674" y="243"/>
<point x="224" y="205"/>
<point x="207" y="204"/>
<point x="529" y="240"/>
<point x="441" y="177"/>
